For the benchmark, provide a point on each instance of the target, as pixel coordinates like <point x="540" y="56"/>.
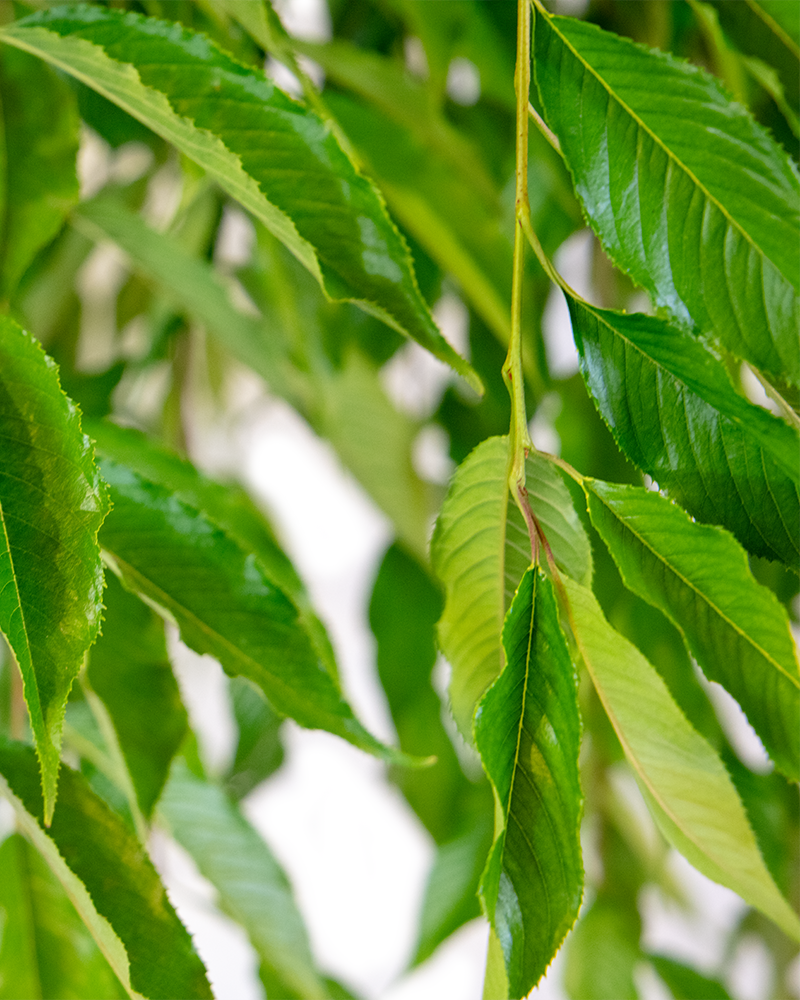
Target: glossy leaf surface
<point x="51" y="506"/>
<point x="252" y="886"/>
<point x="45" y="951"/>
<point x="699" y="577"/>
<point x="672" y="410"/>
<point x="109" y="878"/>
<point x="688" y="194"/>
<point x="527" y="730"/>
<point x="40" y="183"/>
<point x="479" y="551"/>
<point x="129" y="670"/>
<point x="681" y="777"/>
<point x="275" y="157"/>
<point x="224" y="601"/>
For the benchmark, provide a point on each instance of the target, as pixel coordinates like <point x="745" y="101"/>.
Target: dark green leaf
<point x="672" y="410"/>
<point x="278" y="159"/>
<point x="686" y="983"/>
<point x="259" y="750"/>
<point x="224" y="601"/>
<point x="40" y="180"/>
<point x="130" y="671"/>
<point x="527" y="730"/>
<point x="603" y="951"/>
<point x="699" y="577"/>
<point x="683" y="780"/>
<point x="45" y="951"/>
<point x="688" y="194"/>
<point x="253" y="888"/>
<point x="51" y="505"/>
<point x="109" y="878"/>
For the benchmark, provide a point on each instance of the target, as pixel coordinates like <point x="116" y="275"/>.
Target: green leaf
<point x="227" y="505"/>
<point x="682" y="779"/>
<point x="672" y="410"/>
<point x="253" y="888"/>
<point x="686" y="983"/>
<point x="40" y="180"/>
<point x="527" y="730"/>
<point x="687" y="193"/>
<point x="45" y="951"/>
<point x="259" y="749"/>
<point x="700" y="578"/>
<point x="603" y="951"/>
<point x="224" y="600"/>
<point x="129" y="669"/>
<point x="275" y="157"/>
<point x="479" y="551"/>
<point x="108" y="877"/>
<point x="51" y="505"/>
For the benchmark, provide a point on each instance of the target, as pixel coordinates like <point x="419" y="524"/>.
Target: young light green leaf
<point x="277" y="158"/>
<point x="681" y="777"/>
<point x="672" y="410"/>
<point x="51" y="506"/>
<point x="253" y="888"/>
<point x="109" y="879"/>
<point x="40" y="181"/>
<point x="479" y="551"/>
<point x="129" y="670"/>
<point x="528" y="731"/>
<point x="687" y="193"/>
<point x="699" y="577"/>
<point x="45" y="951"/>
<point x="224" y="601"/>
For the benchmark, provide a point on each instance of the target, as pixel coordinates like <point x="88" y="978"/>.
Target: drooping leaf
<point x="253" y="888"/>
<point x="277" y="158"/>
<point x="51" y="506"/>
<point x="479" y="551"/>
<point x="683" y="780"/>
<point x="527" y="730"/>
<point x="259" y="749"/>
<point x="603" y="951"/>
<point x="699" y="577"/>
<point x="227" y="505"/>
<point x="40" y="183"/>
<point x="687" y="193"/>
<point x="672" y="410"/>
<point x="108" y="877"/>
<point x="45" y="951"/>
<point x="686" y="983"/>
<point x="129" y="670"/>
<point x="224" y="601"/>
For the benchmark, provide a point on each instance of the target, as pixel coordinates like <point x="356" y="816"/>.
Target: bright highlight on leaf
<point x="51" y="506"/>
<point x="528" y="731"/>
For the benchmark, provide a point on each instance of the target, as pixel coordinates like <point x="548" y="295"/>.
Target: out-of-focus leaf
<point x="227" y="505"/>
<point x="130" y="671"/>
<point x="442" y="796"/>
<point x="602" y="952"/>
<point x="451" y="893"/>
<point x="51" y="506"/>
<point x="253" y="888"/>
<point x="259" y="750"/>
<point x="687" y="193"/>
<point x="45" y="951"/>
<point x="224" y="601"/>
<point x="699" y="577"/>
<point x="40" y="183"/>
<point x="684" y="782"/>
<point x="685" y="983"/>
<point x="108" y="877"/>
<point x="479" y="551"/>
<point x="295" y="178"/>
<point x="673" y="411"/>
<point x="527" y="730"/>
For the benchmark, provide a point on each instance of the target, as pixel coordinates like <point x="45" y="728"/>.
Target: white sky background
<point x="356" y="854"/>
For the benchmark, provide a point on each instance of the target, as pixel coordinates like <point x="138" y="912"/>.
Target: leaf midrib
<point x="736" y="628"/>
<point x="774" y="27"/>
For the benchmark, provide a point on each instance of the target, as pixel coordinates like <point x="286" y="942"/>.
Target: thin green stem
<point x="547" y="132"/>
